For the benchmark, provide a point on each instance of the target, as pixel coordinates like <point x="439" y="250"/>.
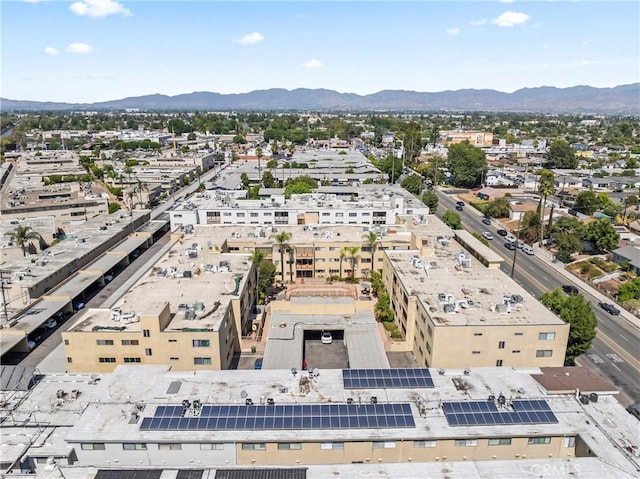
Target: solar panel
<point x="405" y="378"/>
<point x="290" y="416"/>
<point x="481" y="413"/>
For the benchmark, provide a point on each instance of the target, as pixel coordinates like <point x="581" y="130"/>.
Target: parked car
<point x="486" y="221"/>
<point x="634" y="410"/>
<point x="510" y="245"/>
<point x="108" y="278"/>
<point x="609" y="308"/>
<point x="487" y="235"/>
<point x="520" y="244"/>
<point x="460" y="203"/>
<point x="503" y="232"/>
<point x="257" y="364"/>
<point x="51" y="323"/>
<point x="528" y="250"/>
<point x="459" y="208"/>
<point x="510" y="238"/>
<point x="32" y="345"/>
<point x="570" y="289"/>
<point x="326" y="337"/>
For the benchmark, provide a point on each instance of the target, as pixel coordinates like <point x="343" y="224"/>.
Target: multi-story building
<point x="481" y="139"/>
<point x="146" y="419"/>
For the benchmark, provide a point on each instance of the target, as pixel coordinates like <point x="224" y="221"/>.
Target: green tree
<point x="452" y="220"/>
<point x="239" y="139"/>
<point x="353" y="251"/>
<point x="579" y="314"/>
<point x="260" y="155"/>
<point x="467" y="164"/>
<point x="430" y="199"/>
<point x="23" y="235"/>
<point x="282" y="238"/>
<point x="530" y="227"/>
<point x="268" y="180"/>
<point x="567" y="245"/>
<point x="257" y="258"/>
<point x="191" y="136"/>
<point x="629" y="290"/>
<point x="498" y="208"/>
<point x="382" y="310"/>
<point x="587" y="202"/>
<point x="244" y="178"/>
<point x="413" y="184"/>
<point x="372" y="242"/>
<point x="602" y="235"/>
<point x="545" y="189"/>
<point x="561" y="155"/>
<point x="113" y="207"/>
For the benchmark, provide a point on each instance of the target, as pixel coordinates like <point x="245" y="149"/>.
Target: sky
<point x="99" y="50"/>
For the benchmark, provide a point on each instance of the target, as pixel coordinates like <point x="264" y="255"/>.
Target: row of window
<point x="540" y="353"/>
<point x="197" y="361"/>
<point x="568" y="441"/>
<point x="197" y="343"/>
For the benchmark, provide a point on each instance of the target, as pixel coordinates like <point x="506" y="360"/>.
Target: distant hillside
<point x="623" y="99"/>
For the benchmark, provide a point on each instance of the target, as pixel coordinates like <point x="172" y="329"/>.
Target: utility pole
<point x="4" y="299"/>
<point x="515" y="251"/>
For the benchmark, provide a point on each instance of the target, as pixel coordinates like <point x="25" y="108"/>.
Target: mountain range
<point x="624" y="99"/>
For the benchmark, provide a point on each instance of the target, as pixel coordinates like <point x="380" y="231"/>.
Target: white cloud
<point x="51" y="51"/>
<point x="312" y="64"/>
<point x="33" y="1"/>
<point x="584" y="63"/>
<point x="79" y="48"/>
<point x="99" y="8"/>
<point x="509" y="19"/>
<point x="584" y="43"/>
<point x="506" y="1"/>
<point x="453" y="31"/>
<point x="477" y="23"/>
<point x="251" y="38"/>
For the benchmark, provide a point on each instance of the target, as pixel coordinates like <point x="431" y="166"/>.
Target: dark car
<point x="503" y="232"/>
<point x="510" y="245"/>
<point x="460" y="203"/>
<point x="486" y="221"/>
<point x="257" y="364"/>
<point x="459" y="208"/>
<point x="570" y="289"/>
<point x="609" y="308"/>
<point x="634" y="410"/>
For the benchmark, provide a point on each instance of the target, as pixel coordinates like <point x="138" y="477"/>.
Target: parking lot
<point x="325" y="356"/>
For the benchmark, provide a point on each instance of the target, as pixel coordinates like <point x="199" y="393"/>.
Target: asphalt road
<point x="615" y="352"/>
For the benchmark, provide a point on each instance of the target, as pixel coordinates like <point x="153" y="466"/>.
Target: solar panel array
<point x="482" y="413"/>
<point x="387" y="378"/>
<point x="292" y="416"/>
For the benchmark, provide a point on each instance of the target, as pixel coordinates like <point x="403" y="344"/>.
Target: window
<point x="425" y="443"/>
<point x="174" y="358"/>
<point x="201" y="343"/>
<point x="500" y="344"/>
<point x="477" y="334"/>
<point x="202" y="361"/>
<point x="146" y="333"/>
<point x="289" y="446"/>
<point x="92" y="446"/>
<point x="130" y="342"/>
<point x="174" y="446"/>
<point x="475" y="352"/>
<point x="147" y="352"/>
<point x="499" y="363"/>
<point x="544" y="353"/>
<point x="429" y="330"/>
<point x="211" y="446"/>
<point x="173" y="340"/>
<point x="517" y="334"/>
<point x="539" y="440"/>
<point x="502" y="441"/>
<point x="546" y="336"/>
<point x="69" y="359"/>
<point x="104" y="342"/>
<point x="384" y="444"/>
<point x="515" y="351"/>
<point x="134" y="446"/>
<point x="66" y="342"/>
<point x="254" y="446"/>
<point x="107" y="360"/>
<point x="465" y="442"/>
<point x="332" y="445"/>
<point x="568" y="441"/>
<point x="131" y="360"/>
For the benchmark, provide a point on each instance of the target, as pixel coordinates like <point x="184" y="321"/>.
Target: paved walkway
<point x="559" y="267"/>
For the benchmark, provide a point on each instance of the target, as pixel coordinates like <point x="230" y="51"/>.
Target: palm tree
<point x="372" y="241"/>
<point x="256" y="259"/>
<point x="343" y="253"/>
<point x="282" y="238"/>
<point x="545" y="189"/>
<point x="291" y="250"/>
<point x="23" y="235"/>
<point x="353" y="251"/>
<point x="259" y="154"/>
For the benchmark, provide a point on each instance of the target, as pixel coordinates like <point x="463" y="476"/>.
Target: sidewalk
<point x="558" y="266"/>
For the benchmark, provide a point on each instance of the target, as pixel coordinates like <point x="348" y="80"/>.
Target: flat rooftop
<point x="445" y="272"/>
<point x="180" y="280"/>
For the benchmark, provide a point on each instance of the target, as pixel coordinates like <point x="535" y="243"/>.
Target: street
<point x="615" y="352"/>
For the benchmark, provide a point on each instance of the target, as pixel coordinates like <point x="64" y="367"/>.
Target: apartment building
<point x="189" y="311"/>
<point x="152" y="418"/>
<point x="481" y="139"/>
